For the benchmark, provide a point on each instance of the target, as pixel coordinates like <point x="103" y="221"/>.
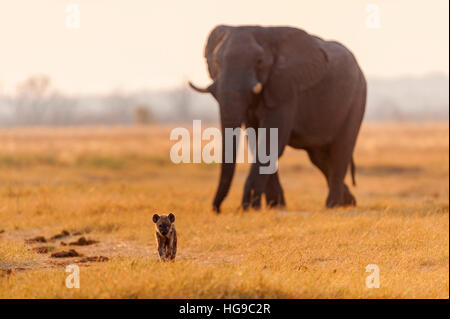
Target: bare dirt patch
<point x="37" y="239"/>
<point x="66" y="254"/>
<point x="41" y="250"/>
<point x="82" y="241"/>
<point x="88" y="250"/>
<point x="63" y="234"/>
<point x="93" y="259"/>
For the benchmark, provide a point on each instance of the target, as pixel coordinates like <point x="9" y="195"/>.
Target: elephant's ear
<point x="215" y="39"/>
<point x="300" y="63"/>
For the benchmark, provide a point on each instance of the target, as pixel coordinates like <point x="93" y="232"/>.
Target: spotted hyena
<point x="166" y="236"/>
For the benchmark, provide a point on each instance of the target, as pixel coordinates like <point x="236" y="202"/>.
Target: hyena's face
<point x="163" y="223"/>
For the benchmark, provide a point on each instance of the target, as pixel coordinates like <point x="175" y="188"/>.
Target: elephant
<point x="312" y="90"/>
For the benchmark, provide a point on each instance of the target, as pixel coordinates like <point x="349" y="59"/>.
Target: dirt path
<point x="51" y="250"/>
<point x="54" y="250"/>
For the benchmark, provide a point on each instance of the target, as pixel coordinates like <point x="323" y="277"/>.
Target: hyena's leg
<point x="161" y="244"/>
<point x="167" y="250"/>
<point x="173" y="247"/>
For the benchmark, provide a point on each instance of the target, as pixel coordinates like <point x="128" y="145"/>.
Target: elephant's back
<point x="344" y="65"/>
<point x="324" y="108"/>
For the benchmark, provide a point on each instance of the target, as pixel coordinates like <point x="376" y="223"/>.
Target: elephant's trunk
<point x="227" y="169"/>
<point x="233" y="102"/>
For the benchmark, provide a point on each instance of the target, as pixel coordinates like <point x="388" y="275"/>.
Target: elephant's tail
<point x="352" y="169"/>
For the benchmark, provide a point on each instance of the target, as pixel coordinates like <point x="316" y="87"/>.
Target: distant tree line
<point x="37" y="103"/>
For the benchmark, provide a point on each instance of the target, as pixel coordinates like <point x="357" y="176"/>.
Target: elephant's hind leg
<point x="339" y="194"/>
<point x="320" y="157"/>
<point x="341" y="153"/>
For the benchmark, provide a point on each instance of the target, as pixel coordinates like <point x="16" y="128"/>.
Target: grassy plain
<point x="106" y="183"/>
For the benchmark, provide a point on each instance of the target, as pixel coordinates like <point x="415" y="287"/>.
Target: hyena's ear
<point x="155" y="218"/>
<point x="171" y="217"/>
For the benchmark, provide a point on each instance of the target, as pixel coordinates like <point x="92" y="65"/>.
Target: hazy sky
<point x="135" y="44"/>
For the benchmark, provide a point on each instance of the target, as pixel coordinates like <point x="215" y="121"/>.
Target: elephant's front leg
<point x="274" y="192"/>
<point x="263" y="177"/>
<point x="254" y="188"/>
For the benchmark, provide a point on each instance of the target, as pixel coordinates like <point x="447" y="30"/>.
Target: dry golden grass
<point x="107" y="183"/>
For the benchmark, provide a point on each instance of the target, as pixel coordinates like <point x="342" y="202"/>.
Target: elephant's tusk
<point x="257" y="88"/>
<point x="201" y="90"/>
